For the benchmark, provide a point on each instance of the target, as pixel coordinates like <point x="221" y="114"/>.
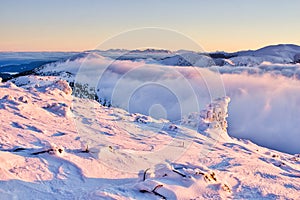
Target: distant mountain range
<point x="276" y="54"/>
<point x="14" y="63"/>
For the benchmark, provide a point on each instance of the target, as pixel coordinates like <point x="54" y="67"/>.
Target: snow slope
<point x="56" y="146"/>
<point x="287" y="51"/>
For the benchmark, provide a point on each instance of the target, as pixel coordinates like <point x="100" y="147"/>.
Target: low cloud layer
<point x="138" y="86"/>
<point x="264" y="108"/>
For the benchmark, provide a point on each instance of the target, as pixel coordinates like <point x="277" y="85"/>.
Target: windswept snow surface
<point x="56" y="146"/>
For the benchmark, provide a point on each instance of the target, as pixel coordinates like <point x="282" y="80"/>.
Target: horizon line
<point x="80" y="51"/>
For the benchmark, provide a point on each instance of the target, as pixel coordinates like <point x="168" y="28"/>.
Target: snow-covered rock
<point x="60" y="109"/>
<point x="216" y="113"/>
<point x="214" y="116"/>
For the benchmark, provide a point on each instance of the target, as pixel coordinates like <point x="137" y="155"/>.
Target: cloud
<point x="178" y="90"/>
<point x="264" y="107"/>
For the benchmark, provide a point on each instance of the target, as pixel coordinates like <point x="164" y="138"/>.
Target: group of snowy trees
<point x="216" y="113"/>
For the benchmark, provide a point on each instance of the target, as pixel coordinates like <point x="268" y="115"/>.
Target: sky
<point x="76" y="25"/>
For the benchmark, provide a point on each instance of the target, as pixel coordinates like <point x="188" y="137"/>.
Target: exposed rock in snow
<point x="51" y="149"/>
<point x="142" y="118"/>
<point x="24" y="99"/>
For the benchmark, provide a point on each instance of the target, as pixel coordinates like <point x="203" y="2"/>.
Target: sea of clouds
<point x="264" y="106"/>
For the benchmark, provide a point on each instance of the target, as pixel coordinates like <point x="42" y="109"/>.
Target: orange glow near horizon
<point x="215" y="25"/>
<point x="64" y="46"/>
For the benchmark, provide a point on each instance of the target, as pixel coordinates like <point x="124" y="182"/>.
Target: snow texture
<point x="108" y="153"/>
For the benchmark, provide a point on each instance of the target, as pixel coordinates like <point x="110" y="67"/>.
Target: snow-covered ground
<point x="168" y="126"/>
<point x="56" y="146"/>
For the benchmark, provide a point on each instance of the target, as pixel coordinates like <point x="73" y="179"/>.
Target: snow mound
<point x="60" y="109"/>
<point x="43" y="82"/>
<point x="63" y="86"/>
